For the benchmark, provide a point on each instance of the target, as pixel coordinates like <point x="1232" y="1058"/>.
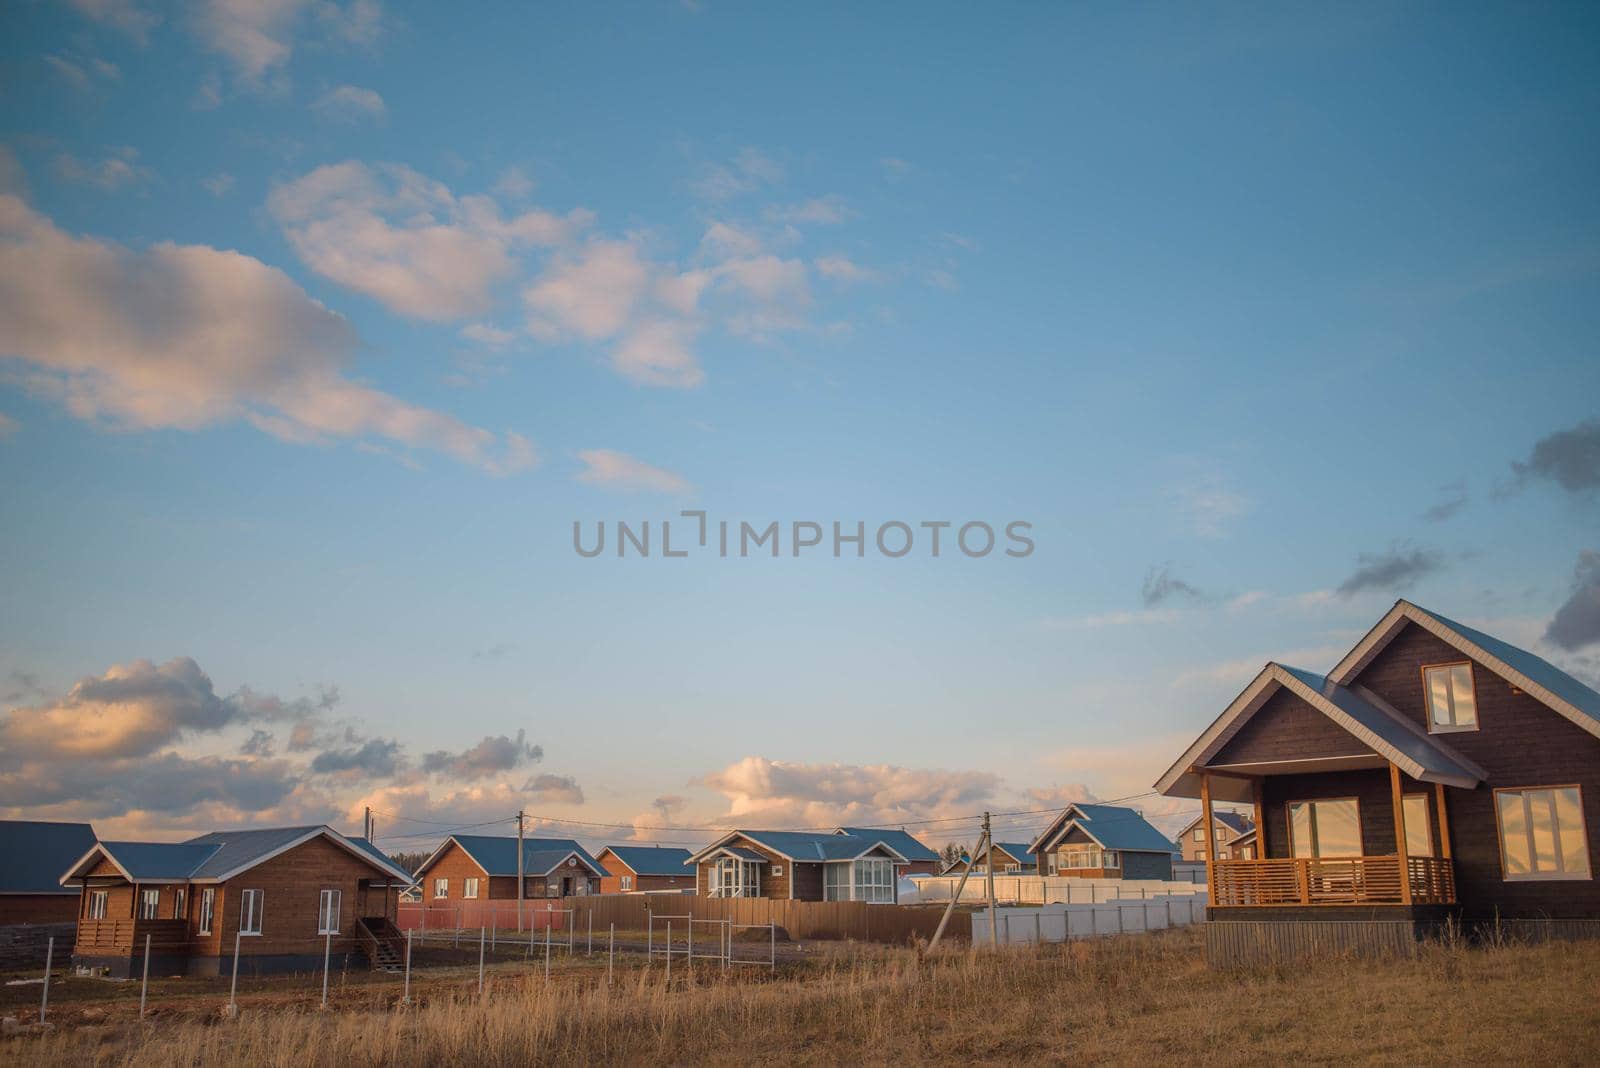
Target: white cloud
<point x="1210" y="504"/>
<point x="257" y="36"/>
<point x="659" y="353"/>
<point x="746" y="172"/>
<point x="843" y="269"/>
<point x="486" y="334"/>
<point x="514" y="184"/>
<point x="124" y="15"/>
<point x="775" y="793"/>
<point x="118" y="169"/>
<point x="618" y="470"/>
<point x="824" y="211"/>
<point x="406" y="240"/>
<point x="721" y="239"/>
<point x="188" y="336"/>
<point x="349" y="103"/>
<point x="218" y="184"/>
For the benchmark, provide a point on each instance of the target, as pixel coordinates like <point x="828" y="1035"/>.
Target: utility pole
<point x="366" y="823"/>
<point x="520" y="891"/>
<point x="988" y="856"/>
<point x="966" y="873"/>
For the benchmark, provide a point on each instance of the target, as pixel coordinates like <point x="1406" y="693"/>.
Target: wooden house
<point x="1225" y="827"/>
<point x="800" y="865"/>
<point x="634" y="869"/>
<point x="282" y="895"/>
<point x="1435" y="771"/>
<point x="1010" y="858"/>
<point x="32" y="857"/>
<point x="920" y="860"/>
<point x="468" y="870"/>
<point x="1090" y="841"/>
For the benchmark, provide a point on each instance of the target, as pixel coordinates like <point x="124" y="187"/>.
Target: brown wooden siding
<point x="1519" y="743"/>
<point x="1286" y="728"/>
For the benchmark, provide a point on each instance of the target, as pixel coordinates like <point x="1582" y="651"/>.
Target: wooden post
<point x="1444" y="820"/>
<point x="1400" y="832"/>
<point x="994" y="935"/>
<point x="521" y="875"/>
<point x="1257" y="789"/>
<point x="1211" y="845"/>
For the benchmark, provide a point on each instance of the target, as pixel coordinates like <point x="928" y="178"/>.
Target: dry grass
<point x="1134" y="1000"/>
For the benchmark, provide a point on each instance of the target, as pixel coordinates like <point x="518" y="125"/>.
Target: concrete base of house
<point x="183" y="964"/>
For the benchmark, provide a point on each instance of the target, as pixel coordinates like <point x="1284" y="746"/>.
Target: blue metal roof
<point x="810" y="846"/>
<point x="1017" y="850"/>
<point x="497" y="855"/>
<point x="219" y="854"/>
<point x="35" y="853"/>
<point x="159" y="861"/>
<point x="902" y="842"/>
<point x="652" y="860"/>
<point x="240" y="849"/>
<point x="1113" y="826"/>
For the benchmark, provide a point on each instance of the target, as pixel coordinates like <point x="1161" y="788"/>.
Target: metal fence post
<point x="406" y="998"/>
<point x="669" y="951"/>
<point x="144" y="984"/>
<point x="611" y="953"/>
<point x="691" y="941"/>
<point x="772" y="929"/>
<point x="547" y="945"/>
<point x="590" y="911"/>
<point x="233" y="987"/>
<point x="49" y="960"/>
<point x="481" y="936"/>
<point x="327" y="954"/>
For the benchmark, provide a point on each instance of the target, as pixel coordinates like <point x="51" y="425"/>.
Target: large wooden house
<point x="1090" y="841"/>
<point x="637" y="869"/>
<point x="32" y="855"/>
<point x="1435" y="771"/>
<point x="283" y="896"/>
<point x="800" y="865"/>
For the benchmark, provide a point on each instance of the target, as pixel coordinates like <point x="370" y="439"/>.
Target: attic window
<point x="1452" y="701"/>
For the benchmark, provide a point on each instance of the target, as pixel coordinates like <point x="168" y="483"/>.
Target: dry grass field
<point x="1136" y="1000"/>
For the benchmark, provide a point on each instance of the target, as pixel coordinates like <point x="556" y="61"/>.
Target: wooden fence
<point x="1255" y="943"/>
<point x="892" y="924"/>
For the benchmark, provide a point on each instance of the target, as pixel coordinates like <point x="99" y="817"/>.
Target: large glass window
<point x="1085" y="858"/>
<point x="1419" y="836"/>
<point x="1452" y="704"/>
<point x="149" y="903"/>
<point x="97" y="904"/>
<point x="1542" y="834"/>
<point x="328" y="912"/>
<point x="733" y="877"/>
<point x="870" y="879"/>
<point x="250" y="904"/>
<point x="208" y="908"/>
<point x="1325" y="828"/>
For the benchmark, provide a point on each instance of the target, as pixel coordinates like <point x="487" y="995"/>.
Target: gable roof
<point x="497" y="854"/>
<point x="35" y="853"/>
<point x="807" y="847"/>
<point x="901" y="841"/>
<point x="1017" y="851"/>
<point x="1237" y="822"/>
<point x="1113" y="826"/>
<point x="1532" y="674"/>
<point x="1359" y="711"/>
<point x="221" y="855"/>
<point x="650" y="860"/>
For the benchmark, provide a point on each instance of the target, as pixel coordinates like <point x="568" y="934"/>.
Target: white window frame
<point x="208" y="908"/>
<point x="869" y="879"/>
<point x="441" y="889"/>
<point x="1545" y="795"/>
<point x="329" y="903"/>
<point x="734" y="877"/>
<point x="99" y="901"/>
<point x="150" y="903"/>
<point x="1452" y="724"/>
<point x="252" y="903"/>
<point x="180" y="902"/>
<point x="626" y="882"/>
<point x="469" y="888"/>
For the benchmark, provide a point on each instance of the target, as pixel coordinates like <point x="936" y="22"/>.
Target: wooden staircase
<point x="382" y="942"/>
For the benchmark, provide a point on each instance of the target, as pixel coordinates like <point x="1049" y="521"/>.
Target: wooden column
<point x="1261" y="823"/>
<point x="1211" y="849"/>
<point x="1444" y="820"/>
<point x="1400" y="832"/>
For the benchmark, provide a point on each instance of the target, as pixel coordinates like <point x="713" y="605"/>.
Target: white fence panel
<point x="1060" y="922"/>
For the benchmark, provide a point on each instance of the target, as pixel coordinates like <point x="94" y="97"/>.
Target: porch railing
<point x="123" y="934"/>
<point x="1332" y="881"/>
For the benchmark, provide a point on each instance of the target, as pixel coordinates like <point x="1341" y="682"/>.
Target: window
<point x="1247" y="852"/>
<point x="250" y="912"/>
<point x="97" y="904"/>
<point x="1199" y="834"/>
<point x="777" y="870"/>
<point x="870" y="879"/>
<point x="733" y="877"/>
<point x="208" y="908"/>
<point x="627" y="883"/>
<point x="1419" y="838"/>
<point x="149" y="903"/>
<point x="441" y="888"/>
<point x="1452" y="703"/>
<point x="328" y="912"/>
<point x="469" y="888"/>
<point x="180" y="898"/>
<point x="1330" y="828"/>
<point x="1542" y="835"/>
<point x="1086" y="857"/>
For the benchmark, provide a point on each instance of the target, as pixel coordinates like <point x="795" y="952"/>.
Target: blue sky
<point x="323" y="323"/>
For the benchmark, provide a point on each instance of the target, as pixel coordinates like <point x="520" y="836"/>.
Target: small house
<point x="1010" y="858"/>
<point x="468" y="869"/>
<point x="800" y="865"/>
<point x="32" y="857"/>
<point x="1091" y="841"/>
<point x="634" y="869"/>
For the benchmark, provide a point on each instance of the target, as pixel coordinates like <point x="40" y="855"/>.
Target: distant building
<point x="801" y="865"/>
<point x="1227" y="827"/>
<point x="632" y="869"/>
<point x="33" y="855"/>
<point x="1010" y="858"/>
<point x="1091" y="841"/>
<point x="469" y="868"/>
<point x="920" y="860"/>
